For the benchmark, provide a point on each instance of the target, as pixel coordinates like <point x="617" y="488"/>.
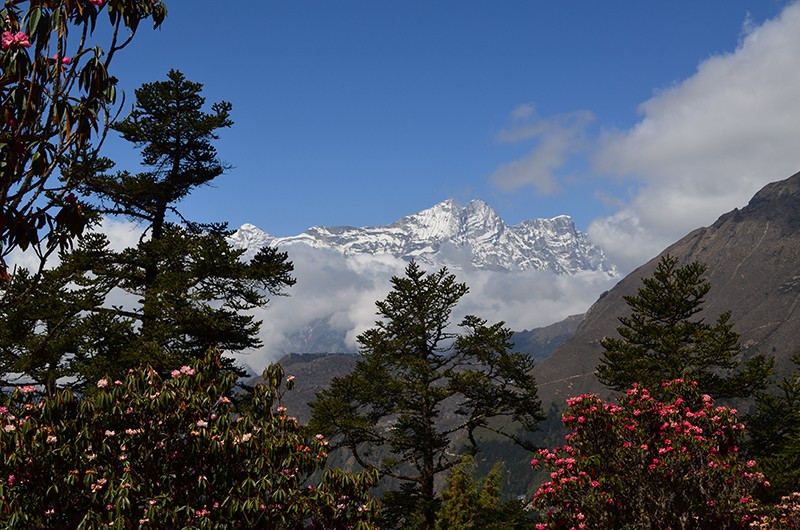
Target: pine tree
<point x="50" y="332"/>
<point x="183" y="288"/>
<point x="191" y="284"/>
<point x="469" y="504"/>
<point x="389" y="413"/>
<point x="665" y="338"/>
<point x="774" y="430"/>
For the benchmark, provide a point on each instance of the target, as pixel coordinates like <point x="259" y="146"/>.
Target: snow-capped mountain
<point x="448" y="234"/>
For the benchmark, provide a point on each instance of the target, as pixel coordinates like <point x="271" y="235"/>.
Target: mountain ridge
<point x="469" y="236"/>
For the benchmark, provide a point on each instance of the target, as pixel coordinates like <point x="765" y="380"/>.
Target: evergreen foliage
<point x="388" y="413"/>
<point x="665" y="339"/>
<point x="471" y="505"/>
<point x="52" y="331"/>
<point x="775" y="435"/>
<point x="164" y="302"/>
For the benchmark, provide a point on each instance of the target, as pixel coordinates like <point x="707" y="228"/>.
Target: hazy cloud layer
<point x="340" y="293"/>
<point x="705" y="145"/>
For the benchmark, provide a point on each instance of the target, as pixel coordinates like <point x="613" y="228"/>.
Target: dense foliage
<point x="56" y="93"/>
<point x="468" y="504"/>
<point x="647" y="463"/>
<point x="390" y="411"/>
<point x="775" y="434"/>
<point x="664" y="338"/>
<point x="181" y="290"/>
<point x="146" y="452"/>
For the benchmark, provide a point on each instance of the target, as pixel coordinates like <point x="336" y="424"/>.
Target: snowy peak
<point x="460" y="237"/>
<point x="442" y="221"/>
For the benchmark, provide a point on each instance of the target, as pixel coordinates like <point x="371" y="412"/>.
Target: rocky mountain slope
<point x="448" y="234"/>
<point x="753" y="259"/>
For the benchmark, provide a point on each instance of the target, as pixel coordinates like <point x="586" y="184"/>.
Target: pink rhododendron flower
<point x="102" y="383"/>
<point x="20" y="38"/>
<point x="98" y="3"/>
<point x="7" y="39"/>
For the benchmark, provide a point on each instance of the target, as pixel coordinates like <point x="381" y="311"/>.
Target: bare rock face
<point x="753" y="259"/>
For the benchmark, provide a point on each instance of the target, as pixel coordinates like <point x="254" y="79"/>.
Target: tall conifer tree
<point x="421" y="390"/>
<point x="183" y="288"/>
<point x="664" y="338"/>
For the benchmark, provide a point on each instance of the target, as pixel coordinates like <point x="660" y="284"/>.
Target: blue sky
<point x="641" y="120"/>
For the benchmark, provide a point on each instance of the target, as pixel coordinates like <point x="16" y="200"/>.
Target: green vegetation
<point x="775" y="435"/>
<point x="174" y="452"/>
<point x="664" y="339"/>
<point x="183" y="289"/>
<point x="654" y="463"/>
<point x="388" y="413"/>
<point x="126" y="439"/>
<point x="56" y="94"/>
<point x="468" y="504"/>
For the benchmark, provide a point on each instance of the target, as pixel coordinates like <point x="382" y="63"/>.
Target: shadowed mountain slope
<point x="753" y="259"/>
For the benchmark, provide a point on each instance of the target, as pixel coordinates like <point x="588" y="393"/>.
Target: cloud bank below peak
<point x="337" y="294"/>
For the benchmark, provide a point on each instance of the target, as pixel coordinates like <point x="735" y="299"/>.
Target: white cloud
<point x="121" y="235"/>
<point x="331" y="291"/>
<point x="557" y="137"/>
<point x="523" y="112"/>
<point x="707" y="144"/>
<point x="341" y="292"/>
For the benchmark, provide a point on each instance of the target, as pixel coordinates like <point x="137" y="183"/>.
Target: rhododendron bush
<point x="56" y="97"/>
<point x="173" y="452"/>
<point x="647" y="463"/>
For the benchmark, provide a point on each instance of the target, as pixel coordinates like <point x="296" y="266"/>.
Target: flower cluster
<point x="19" y="38"/>
<point x="784" y="515"/>
<point x="185" y="370"/>
<point x="645" y="460"/>
<point x="179" y="451"/>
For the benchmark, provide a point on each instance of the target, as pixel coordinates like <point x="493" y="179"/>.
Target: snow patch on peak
<point x="449" y="234"/>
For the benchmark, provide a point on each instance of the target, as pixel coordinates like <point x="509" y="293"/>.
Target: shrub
<point x="172" y="452"/>
<point x="646" y="463"/>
